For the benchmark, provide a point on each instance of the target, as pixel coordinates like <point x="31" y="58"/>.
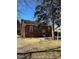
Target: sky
<point x="26" y="10"/>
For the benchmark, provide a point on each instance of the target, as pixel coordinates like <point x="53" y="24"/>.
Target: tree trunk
<point x="53" y="30"/>
<point x="51" y="11"/>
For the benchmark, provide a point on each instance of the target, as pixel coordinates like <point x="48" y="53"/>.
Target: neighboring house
<point x="29" y="29"/>
<point x="58" y="33"/>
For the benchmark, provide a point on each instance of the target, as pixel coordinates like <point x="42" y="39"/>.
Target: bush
<point x="18" y="33"/>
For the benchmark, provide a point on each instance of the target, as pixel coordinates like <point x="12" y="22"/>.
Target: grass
<point x="36" y="44"/>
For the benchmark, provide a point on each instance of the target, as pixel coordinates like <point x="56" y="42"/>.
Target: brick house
<point x="29" y="29"/>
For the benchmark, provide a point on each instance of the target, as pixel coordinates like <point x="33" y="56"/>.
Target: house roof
<point x="58" y="29"/>
<point x="28" y="21"/>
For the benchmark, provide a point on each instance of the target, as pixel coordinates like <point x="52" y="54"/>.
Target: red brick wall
<point x="37" y="31"/>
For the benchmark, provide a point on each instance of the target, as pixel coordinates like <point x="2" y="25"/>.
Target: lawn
<point x="36" y="44"/>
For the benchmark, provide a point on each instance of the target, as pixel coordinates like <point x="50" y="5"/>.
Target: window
<point x="48" y="28"/>
<point x="31" y="29"/>
<point x="43" y="31"/>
